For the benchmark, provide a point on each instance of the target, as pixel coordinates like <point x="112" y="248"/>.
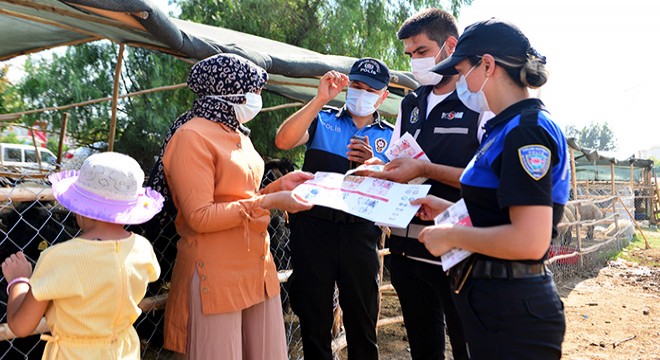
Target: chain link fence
<point x="30" y="220"/>
<point x="597" y="223"/>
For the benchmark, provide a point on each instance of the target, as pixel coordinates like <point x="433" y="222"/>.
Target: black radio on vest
<point x="353" y="164"/>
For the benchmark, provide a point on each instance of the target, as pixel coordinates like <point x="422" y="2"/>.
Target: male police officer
<point x="330" y="246"/>
<point x="449" y="133"/>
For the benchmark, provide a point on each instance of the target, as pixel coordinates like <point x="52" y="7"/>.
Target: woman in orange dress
<point x="224" y="297"/>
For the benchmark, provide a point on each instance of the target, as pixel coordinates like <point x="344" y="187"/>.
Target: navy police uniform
<point x="513" y="306"/>
<point x="448" y="136"/>
<point x="330" y="246"/>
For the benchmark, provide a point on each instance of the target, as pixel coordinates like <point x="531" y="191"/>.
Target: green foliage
<point x="52" y="144"/>
<point x="635" y="251"/>
<point x="82" y="73"/>
<point x="357" y="28"/>
<point x="10" y="138"/>
<point x="10" y="100"/>
<point x="85" y="72"/>
<point x="597" y="136"/>
<point x="148" y="117"/>
<point x="655" y="160"/>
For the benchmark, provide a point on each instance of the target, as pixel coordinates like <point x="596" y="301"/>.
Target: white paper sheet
<point x="382" y="201"/>
<point x="407" y="147"/>
<point x="456" y="214"/>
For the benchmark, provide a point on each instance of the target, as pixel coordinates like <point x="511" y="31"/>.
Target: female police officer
<point x="515" y="189"/>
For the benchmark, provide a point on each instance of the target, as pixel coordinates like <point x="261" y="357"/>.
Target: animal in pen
<point x="569" y="216"/>
<point x="588" y="211"/>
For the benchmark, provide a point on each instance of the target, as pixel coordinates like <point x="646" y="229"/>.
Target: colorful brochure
<point x="407" y="147"/>
<point x="456" y="214"/>
<point x="381" y="201"/>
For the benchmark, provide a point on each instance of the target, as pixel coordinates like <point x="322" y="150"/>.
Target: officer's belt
<point x="488" y="269"/>
<point x="412" y="231"/>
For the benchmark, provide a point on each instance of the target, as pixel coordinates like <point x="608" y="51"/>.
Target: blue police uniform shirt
<point x="523" y="160"/>
<point x="330" y="133"/>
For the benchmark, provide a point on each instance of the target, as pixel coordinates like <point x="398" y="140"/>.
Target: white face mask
<point x="474" y="101"/>
<point x="421" y="69"/>
<point x="244" y="112"/>
<point x="361" y="102"/>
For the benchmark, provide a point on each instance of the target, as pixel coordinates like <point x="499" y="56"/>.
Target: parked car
<point x="74" y="158"/>
<point x="23" y="158"/>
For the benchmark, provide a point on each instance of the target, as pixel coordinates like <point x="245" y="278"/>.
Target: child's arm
<point x="23" y="311"/>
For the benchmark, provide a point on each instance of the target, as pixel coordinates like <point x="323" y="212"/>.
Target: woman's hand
<point x="435" y="238"/>
<point x="431" y="207"/>
<point x="374" y="161"/>
<point x="285" y="200"/>
<point x="16" y="266"/>
<point x="401" y="170"/>
<point x="295" y="178"/>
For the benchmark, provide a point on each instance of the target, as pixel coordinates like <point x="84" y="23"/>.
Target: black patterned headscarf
<point x="222" y="74"/>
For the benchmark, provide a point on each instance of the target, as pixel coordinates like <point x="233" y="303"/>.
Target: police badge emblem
<point x="381" y="144"/>
<point x="535" y="159"/>
<point x="414" y="115"/>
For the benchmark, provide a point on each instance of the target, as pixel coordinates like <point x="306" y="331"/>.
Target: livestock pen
<point x="31" y="220"/>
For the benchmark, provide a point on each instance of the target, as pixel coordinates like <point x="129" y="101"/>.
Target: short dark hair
<point x="435" y="23"/>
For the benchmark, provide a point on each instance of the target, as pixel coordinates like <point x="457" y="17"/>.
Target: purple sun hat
<point x="108" y="188"/>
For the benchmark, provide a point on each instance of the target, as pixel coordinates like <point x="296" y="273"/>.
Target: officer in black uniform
<point x="330" y="246"/>
<point x="515" y="189"/>
<point x="449" y="133"/>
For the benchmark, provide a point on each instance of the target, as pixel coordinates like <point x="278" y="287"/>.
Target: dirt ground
<point x="613" y="314"/>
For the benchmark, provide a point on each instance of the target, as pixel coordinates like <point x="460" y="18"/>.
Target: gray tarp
<point x="592" y="156"/>
<point x="32" y="26"/>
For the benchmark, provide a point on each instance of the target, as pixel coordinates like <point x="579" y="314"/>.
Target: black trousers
<point x="426" y="303"/>
<point x="325" y="253"/>
<point x="512" y="319"/>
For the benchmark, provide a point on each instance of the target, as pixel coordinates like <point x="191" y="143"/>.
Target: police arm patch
<point x="535" y="159"/>
<point x="381" y="144"/>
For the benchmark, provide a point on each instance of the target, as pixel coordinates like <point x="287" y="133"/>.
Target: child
<point x="89" y="287"/>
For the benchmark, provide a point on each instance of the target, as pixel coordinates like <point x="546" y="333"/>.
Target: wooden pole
<point x="115" y="98"/>
<point x="578" y="234"/>
<point x="95" y="101"/>
<point x="573" y="174"/>
<point x="282" y="106"/>
<point x="20" y="194"/>
<point x="612" y="177"/>
<point x="632" y="175"/>
<point x="60" y="144"/>
<point x="656" y="200"/>
<point x="37" y="156"/>
<point x="646" y="242"/>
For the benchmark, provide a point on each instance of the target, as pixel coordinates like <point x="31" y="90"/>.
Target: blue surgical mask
<point x="361" y="102"/>
<point x="474" y="101"/>
<point x="244" y="112"/>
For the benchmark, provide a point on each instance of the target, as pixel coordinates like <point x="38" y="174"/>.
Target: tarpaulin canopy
<point x="33" y="26"/>
<point x="596" y="157"/>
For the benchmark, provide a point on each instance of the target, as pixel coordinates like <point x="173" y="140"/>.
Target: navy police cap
<point x="370" y="71"/>
<point x="495" y="37"/>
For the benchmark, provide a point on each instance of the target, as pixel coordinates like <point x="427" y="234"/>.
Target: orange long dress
<point x="214" y="174"/>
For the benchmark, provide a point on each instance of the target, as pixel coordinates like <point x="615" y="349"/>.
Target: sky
<point x="601" y="57"/>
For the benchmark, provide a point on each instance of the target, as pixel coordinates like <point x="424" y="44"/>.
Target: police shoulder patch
<point x="535" y="159"/>
<point x="414" y="115"/>
<point x="381" y="144"/>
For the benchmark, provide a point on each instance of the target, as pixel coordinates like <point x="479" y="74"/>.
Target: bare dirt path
<point x="613" y="314"/>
